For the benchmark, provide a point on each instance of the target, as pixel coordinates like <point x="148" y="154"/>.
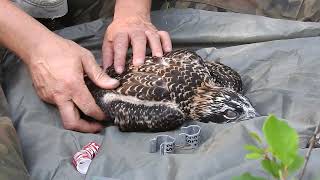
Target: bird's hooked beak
<point x="251" y="113"/>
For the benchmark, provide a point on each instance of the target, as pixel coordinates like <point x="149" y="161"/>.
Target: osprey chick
<point x="167" y="91"/>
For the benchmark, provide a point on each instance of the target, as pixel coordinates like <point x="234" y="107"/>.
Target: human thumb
<point x="96" y="74"/>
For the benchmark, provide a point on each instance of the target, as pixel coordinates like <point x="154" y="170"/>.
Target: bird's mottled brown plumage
<point x="166" y="91"/>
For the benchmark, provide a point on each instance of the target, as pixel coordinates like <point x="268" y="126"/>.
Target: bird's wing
<point x="221" y="75"/>
<point x="132" y="114"/>
<point x="144" y="86"/>
<point x="193" y="64"/>
<point x="141" y="103"/>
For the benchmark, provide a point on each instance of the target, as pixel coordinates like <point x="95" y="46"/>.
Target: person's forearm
<point x="19" y="32"/>
<point x="127" y="8"/>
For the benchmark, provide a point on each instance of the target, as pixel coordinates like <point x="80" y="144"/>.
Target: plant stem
<point x="281" y="175"/>
<point x="311" y="145"/>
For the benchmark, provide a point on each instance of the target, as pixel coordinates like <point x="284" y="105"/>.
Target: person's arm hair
<point x="21" y="33"/>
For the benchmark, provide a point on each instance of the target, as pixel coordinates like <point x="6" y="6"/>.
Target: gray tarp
<point x="280" y="68"/>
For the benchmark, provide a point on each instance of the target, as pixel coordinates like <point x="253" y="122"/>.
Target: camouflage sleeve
<point x="302" y="10"/>
<point x="13" y="166"/>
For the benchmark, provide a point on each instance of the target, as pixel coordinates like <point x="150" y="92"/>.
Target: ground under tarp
<point x="278" y="60"/>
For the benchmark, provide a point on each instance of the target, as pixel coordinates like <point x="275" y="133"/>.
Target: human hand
<point x="57" y="69"/>
<point x="136" y="30"/>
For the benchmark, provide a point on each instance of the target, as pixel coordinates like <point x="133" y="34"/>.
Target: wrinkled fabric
<point x="11" y="158"/>
<point x="77" y="11"/>
<point x="89" y="10"/>
<point x="303" y="10"/>
<point x="278" y="61"/>
<point x="43" y="8"/>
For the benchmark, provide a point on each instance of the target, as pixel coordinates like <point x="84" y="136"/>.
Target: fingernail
<point x="101" y="116"/>
<point x="113" y="81"/>
<point x="119" y="69"/>
<point x="168" y="49"/>
<point x="139" y="62"/>
<point x="99" y="129"/>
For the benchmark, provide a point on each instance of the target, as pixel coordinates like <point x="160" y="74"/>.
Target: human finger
<point x="138" y="43"/>
<point x="154" y="43"/>
<point x="107" y="54"/>
<point x="86" y="103"/>
<point x="120" y="48"/>
<point x="71" y="119"/>
<point x="165" y="41"/>
<point x="96" y="74"/>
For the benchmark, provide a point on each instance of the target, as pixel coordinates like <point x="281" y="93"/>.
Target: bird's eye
<point x="230" y="114"/>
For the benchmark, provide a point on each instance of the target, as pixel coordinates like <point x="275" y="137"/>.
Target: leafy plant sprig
<point x="280" y="158"/>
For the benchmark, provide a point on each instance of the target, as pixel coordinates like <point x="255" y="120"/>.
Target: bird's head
<point x="221" y="105"/>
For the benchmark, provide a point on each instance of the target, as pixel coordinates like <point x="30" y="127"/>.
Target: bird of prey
<point x="167" y="91"/>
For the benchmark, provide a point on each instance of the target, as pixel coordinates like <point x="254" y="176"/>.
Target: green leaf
<point x="281" y="138"/>
<point x="296" y="164"/>
<point x="271" y="167"/>
<point x="247" y="176"/>
<point x="255" y="136"/>
<point x="254" y="149"/>
<point x="253" y="156"/>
